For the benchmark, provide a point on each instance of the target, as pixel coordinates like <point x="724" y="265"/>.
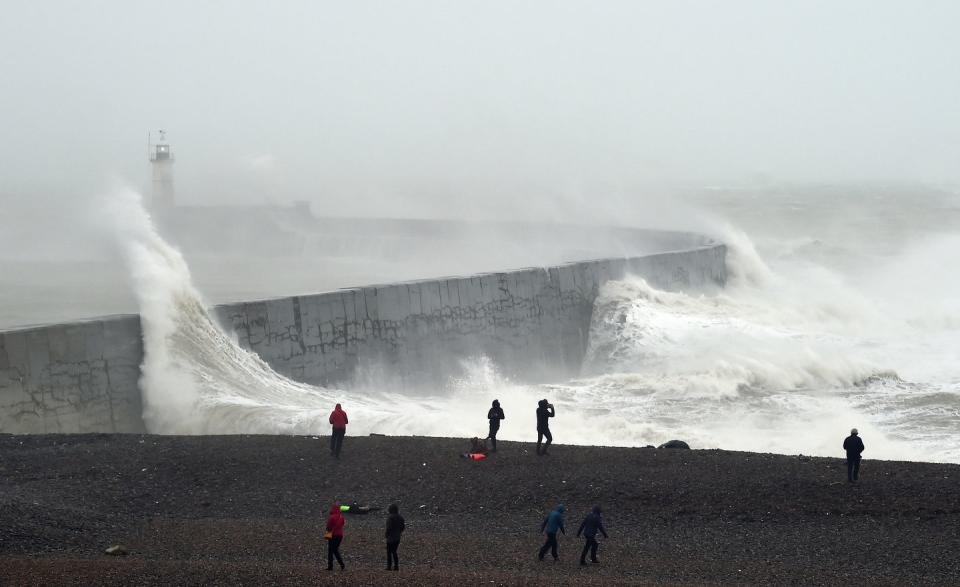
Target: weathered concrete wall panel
<point x="80" y="377"/>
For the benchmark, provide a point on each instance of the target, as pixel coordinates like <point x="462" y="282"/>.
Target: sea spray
<point x="785" y="359"/>
<point x="195" y="378"/>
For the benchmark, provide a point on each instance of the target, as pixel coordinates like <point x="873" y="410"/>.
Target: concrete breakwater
<point x="533" y="323"/>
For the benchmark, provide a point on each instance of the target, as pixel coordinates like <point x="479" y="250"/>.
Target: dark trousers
<point x="333" y="550"/>
<point x="393" y="561"/>
<point x="336" y="441"/>
<point x="493" y="437"/>
<point x="853" y="468"/>
<point x="541" y="434"/>
<point x="551" y="545"/>
<point x="592" y="546"/>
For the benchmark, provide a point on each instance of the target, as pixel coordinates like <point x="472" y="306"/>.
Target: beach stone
<point x="675" y="444"/>
<point x="116" y="550"/>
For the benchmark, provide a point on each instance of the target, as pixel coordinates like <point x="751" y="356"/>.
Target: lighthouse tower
<point x="161" y="162"/>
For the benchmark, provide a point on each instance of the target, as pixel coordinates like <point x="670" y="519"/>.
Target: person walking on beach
<point x="395" y="527"/>
<point x="495" y="415"/>
<point x="545" y="411"/>
<point x="551" y="524"/>
<point x="854" y="447"/>
<point x="338" y="419"/>
<point x="334" y="536"/>
<point x="589" y="527"/>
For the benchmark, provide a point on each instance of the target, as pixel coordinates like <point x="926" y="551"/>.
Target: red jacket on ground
<point x="338" y="417"/>
<point x="335" y="521"/>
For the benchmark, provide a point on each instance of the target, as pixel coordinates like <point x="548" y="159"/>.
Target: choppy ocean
<point x="842" y="310"/>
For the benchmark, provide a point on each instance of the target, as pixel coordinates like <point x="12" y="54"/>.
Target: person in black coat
<point x="395" y="527"/>
<point x="495" y="415"/>
<point x="589" y="527"/>
<point x="854" y="447"/>
<point x="545" y="411"/>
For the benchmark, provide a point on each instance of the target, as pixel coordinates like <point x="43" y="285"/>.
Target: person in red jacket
<point x="338" y="419"/>
<point x="335" y="524"/>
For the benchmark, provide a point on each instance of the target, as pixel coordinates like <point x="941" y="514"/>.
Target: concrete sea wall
<point x="533" y="323"/>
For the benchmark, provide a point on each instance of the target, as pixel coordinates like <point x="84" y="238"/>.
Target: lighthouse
<point x="161" y="162"/>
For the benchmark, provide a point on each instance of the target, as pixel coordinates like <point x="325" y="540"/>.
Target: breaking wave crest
<point x="712" y="345"/>
<point x="195" y="378"/>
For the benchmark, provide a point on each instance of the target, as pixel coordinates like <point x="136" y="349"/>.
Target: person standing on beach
<point x="338" y="419"/>
<point x="589" y="527"/>
<point x="854" y="447"/>
<point x="395" y="527"/>
<point x="551" y="524"/>
<point x="334" y="536"/>
<point x="545" y="411"/>
<point x="495" y="415"/>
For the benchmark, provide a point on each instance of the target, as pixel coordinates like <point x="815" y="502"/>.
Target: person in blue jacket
<point x="592" y="524"/>
<point x="551" y="524"/>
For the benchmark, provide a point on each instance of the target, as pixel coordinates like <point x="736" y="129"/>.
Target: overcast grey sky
<point x="286" y="100"/>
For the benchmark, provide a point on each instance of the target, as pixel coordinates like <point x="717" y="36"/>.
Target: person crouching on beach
<point x="334" y="536"/>
<point x="338" y="419"/>
<point x="854" y="446"/>
<point x="494" y="415"/>
<point x="395" y="527"/>
<point x="545" y="411"/>
<point x="478" y="446"/>
<point x="589" y="527"/>
<point x="551" y="524"/>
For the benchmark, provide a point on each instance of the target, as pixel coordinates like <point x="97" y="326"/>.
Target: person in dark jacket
<point x="495" y="415"/>
<point x="335" y="523"/>
<point x="551" y="524"/>
<point x="854" y="447"/>
<point x="338" y="419"/>
<point x="589" y="527"/>
<point x="545" y="411"/>
<point x="395" y="527"/>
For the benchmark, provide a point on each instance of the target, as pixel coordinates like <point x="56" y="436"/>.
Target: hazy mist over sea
<point x="819" y="140"/>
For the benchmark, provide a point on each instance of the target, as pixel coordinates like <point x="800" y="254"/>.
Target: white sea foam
<point x="787" y="361"/>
